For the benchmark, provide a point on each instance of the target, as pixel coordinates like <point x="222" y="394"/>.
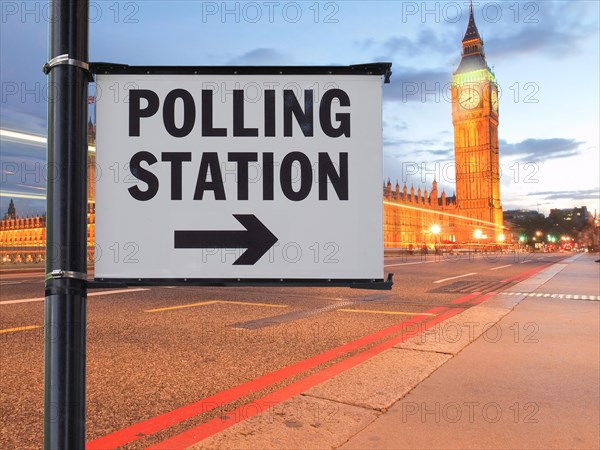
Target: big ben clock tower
<point x="475" y="120"/>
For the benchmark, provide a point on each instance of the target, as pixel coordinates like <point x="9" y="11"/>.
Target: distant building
<point x="570" y="218"/>
<point x="519" y="215"/>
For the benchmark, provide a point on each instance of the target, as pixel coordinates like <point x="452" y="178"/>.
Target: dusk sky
<point x="545" y="56"/>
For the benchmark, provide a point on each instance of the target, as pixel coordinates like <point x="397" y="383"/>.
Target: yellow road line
<point x="399" y="313"/>
<point x="13" y="330"/>
<point x="212" y="302"/>
<point x="268" y="305"/>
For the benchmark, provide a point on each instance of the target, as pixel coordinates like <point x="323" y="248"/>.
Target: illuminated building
<point x="476" y="207"/>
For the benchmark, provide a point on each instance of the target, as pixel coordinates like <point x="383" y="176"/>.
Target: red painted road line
<point x="528" y="273"/>
<point x="158" y="423"/>
<point x="483" y="298"/>
<point x="465" y="298"/>
<point x="242" y="413"/>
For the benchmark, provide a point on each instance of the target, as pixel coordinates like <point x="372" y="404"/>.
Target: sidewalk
<point x="531" y="381"/>
<point x="520" y="370"/>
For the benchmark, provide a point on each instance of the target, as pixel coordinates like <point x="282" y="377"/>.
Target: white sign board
<point x="239" y="177"/>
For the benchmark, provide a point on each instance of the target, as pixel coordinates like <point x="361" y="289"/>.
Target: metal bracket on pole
<point x="58" y="273"/>
<point x="64" y="59"/>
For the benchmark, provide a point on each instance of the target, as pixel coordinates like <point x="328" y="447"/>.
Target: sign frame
<point x="373" y="69"/>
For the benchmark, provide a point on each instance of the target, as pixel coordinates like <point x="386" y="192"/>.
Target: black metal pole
<point x="66" y="233"/>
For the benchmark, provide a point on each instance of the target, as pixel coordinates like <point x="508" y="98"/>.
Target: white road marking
<point x="93" y="294"/>
<point x="409" y="264"/>
<point x="501" y="267"/>
<point x="454" y="278"/>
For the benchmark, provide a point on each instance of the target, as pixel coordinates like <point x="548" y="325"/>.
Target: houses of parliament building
<point x="412" y="219"/>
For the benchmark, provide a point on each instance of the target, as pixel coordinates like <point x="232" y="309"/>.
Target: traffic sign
<point x="247" y="173"/>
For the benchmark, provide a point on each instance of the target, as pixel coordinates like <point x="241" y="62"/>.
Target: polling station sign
<point x="243" y="173"/>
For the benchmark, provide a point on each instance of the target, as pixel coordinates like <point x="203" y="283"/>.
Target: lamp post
<point x="522" y="240"/>
<point x="501" y="239"/>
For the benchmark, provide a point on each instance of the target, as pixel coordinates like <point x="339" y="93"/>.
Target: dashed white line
<point x="454" y="278"/>
<point x="558" y="296"/>
<point x="501" y="267"/>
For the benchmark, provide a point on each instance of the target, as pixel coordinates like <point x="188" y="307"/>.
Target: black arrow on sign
<point x="256" y="238"/>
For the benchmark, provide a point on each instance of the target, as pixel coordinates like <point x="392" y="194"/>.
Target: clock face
<point x="469" y="98"/>
<point x="495" y="100"/>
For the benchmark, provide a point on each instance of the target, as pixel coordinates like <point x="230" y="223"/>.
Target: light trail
<point x="27" y="138"/>
<point x="22" y="136"/>
<point x="33" y="138"/>
<point x="432" y="211"/>
<point x="12" y="194"/>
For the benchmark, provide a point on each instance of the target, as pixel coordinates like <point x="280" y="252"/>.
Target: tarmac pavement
<point x="519" y="370"/>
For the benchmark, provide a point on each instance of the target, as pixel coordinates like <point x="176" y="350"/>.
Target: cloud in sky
<point x="541" y="149"/>
<point x="395" y="125"/>
<point x="582" y="195"/>
<point x="425" y="43"/>
<point x="422" y="86"/>
<point x="556" y="42"/>
<point x="261" y="57"/>
<point x="551" y="29"/>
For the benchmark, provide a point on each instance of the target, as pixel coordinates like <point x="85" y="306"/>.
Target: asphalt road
<point x="152" y="350"/>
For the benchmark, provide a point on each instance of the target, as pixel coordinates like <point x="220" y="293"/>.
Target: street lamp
<point x="501" y="239"/>
<point x="477" y="235"/>
<point x="436" y="229"/>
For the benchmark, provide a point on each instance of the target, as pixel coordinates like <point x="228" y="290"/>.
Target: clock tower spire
<point x="475" y="119"/>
